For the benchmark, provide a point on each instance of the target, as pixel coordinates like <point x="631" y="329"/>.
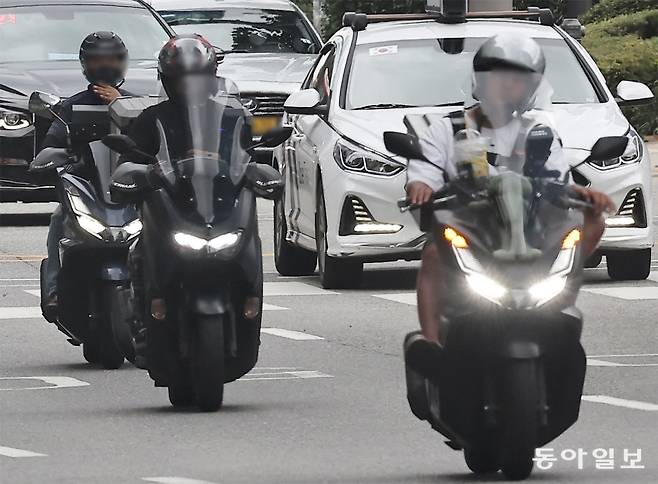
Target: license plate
<point x="262" y="124"/>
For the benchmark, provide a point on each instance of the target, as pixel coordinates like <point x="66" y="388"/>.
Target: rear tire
<point x="181" y="396"/>
<point x="208" y="370"/>
<point x="335" y="273"/>
<point x="289" y="259"/>
<point x="629" y="265"/>
<point x="482" y="460"/>
<point x="520" y="419"/>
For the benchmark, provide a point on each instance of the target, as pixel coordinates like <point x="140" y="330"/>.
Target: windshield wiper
<point x="385" y="106"/>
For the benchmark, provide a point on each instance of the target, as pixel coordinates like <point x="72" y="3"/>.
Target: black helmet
<point x="184" y="55"/>
<point x="104" y="45"/>
<point x="508" y="52"/>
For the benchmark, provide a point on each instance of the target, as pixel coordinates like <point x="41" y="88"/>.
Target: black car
<point x="40" y="44"/>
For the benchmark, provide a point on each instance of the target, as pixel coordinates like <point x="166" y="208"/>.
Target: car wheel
<point x="335" y="273"/>
<point x="630" y="265"/>
<point x="289" y="259"/>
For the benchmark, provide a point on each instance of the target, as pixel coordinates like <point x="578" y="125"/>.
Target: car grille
<point x="264" y="105"/>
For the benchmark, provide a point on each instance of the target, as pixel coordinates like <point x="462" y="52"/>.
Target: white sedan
<point x="342" y="184"/>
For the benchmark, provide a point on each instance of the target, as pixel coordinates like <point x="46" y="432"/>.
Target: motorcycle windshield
<point x="206" y="148"/>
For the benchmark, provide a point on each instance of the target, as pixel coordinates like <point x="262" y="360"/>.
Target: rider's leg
<point x="55" y="234"/>
<point x="592" y="233"/>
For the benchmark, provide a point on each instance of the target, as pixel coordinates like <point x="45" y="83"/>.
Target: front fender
<point x="214" y="304"/>
<point x="520" y="350"/>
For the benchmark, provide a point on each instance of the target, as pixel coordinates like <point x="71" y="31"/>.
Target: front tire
<point x="289" y="259"/>
<point x="482" y="460"/>
<point x="335" y="273"/>
<point x="630" y="265"/>
<point x="111" y="357"/>
<point x="208" y="370"/>
<point x="91" y="350"/>
<point x="520" y="412"/>
<point x="181" y="396"/>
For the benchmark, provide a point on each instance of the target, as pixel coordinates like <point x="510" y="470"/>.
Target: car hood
<point x="64" y="79"/>
<point x="579" y="126"/>
<point x="282" y="73"/>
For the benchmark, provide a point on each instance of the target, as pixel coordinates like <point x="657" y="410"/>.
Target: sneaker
<point x="423" y="356"/>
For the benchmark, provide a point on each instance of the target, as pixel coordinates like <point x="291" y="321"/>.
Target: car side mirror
<point x="404" y="145"/>
<point x="307" y="101"/>
<point x="42" y="104"/>
<point x="265" y="181"/>
<point x="631" y="93"/>
<point x="49" y="159"/>
<point x="609" y="148"/>
<point x="129" y="182"/>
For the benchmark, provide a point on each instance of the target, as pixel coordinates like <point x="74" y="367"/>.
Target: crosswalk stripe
<point x="11" y="452"/>
<point x="402" y="297"/>
<point x="293" y="289"/>
<point x="631" y="293"/>
<point x="288" y="334"/>
<point x="175" y="480"/>
<point x="621" y="402"/>
<point x="20" y="313"/>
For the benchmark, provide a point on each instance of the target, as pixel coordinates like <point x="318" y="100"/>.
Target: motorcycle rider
<point x="103" y="57"/>
<point x="508" y="81"/>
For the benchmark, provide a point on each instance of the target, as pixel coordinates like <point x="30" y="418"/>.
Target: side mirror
<point x="129" y="182"/>
<point x="306" y="101"/>
<point x="120" y="143"/>
<point x="265" y="181"/>
<point x="42" y="104"/>
<point x="631" y="93"/>
<point x="608" y="148"/>
<point x="274" y="138"/>
<point x="404" y="145"/>
<point x="49" y="159"/>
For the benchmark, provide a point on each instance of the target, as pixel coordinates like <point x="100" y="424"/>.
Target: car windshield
<point x="54" y="33"/>
<point x="248" y="30"/>
<point x="436" y="72"/>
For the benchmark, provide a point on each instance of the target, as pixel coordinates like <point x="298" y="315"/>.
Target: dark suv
<point x="40" y="43"/>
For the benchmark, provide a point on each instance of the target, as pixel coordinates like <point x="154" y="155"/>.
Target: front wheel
<point x="335" y="273"/>
<point x="521" y="405"/>
<point x="208" y="370"/>
<point x="181" y="395"/>
<point x="111" y="357"/>
<point x="629" y="265"/>
<point x="485" y="460"/>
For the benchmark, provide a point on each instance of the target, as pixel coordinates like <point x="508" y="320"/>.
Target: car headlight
<point x="219" y="243"/>
<point x="12" y="120"/>
<point x="351" y="158"/>
<point x="633" y="154"/>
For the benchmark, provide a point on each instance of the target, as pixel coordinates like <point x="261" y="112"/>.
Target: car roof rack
<point x="359" y="21"/>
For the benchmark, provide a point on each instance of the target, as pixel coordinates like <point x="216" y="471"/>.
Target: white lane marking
<point x="621" y="402"/>
<point x="292" y="289"/>
<point x="632" y="355"/>
<point x="597" y="362"/>
<point x="21" y="313"/>
<point x="633" y="293"/>
<point x="272" y="307"/>
<point x="18" y="279"/>
<point x="175" y="480"/>
<point x="11" y="452"/>
<point x="292" y="374"/>
<point x="51" y="381"/>
<point x="288" y="334"/>
<point x="653" y="275"/>
<point x="34" y="292"/>
<point x="402" y="297"/>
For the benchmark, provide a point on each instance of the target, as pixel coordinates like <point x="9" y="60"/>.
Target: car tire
<point x="630" y="265"/>
<point x="335" y="273"/>
<point x="289" y="259"/>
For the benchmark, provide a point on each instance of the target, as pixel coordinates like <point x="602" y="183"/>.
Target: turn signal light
<point x="571" y="240"/>
<point x="455" y="238"/>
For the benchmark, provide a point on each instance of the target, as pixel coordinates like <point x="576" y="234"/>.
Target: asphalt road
<point x="325" y="404"/>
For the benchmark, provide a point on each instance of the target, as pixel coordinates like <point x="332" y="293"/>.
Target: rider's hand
<point x="418" y="193"/>
<point x="600" y="201"/>
<point x="106" y="93"/>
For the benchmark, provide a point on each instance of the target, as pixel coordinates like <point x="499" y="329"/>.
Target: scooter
<point x="512" y="366"/>
<point x="197" y="289"/>
<point x="97" y="236"/>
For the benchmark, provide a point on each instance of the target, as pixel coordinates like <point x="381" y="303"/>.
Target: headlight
<point x="134" y="227"/>
<point x="486" y="287"/>
<point x="11" y="120"/>
<point x="633" y="154"/>
<point x="545" y="290"/>
<point x="91" y="225"/>
<point x="219" y="243"/>
<point x="351" y="158"/>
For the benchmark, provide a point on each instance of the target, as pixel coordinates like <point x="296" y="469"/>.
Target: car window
<point x="247" y="30"/>
<point x="53" y="33"/>
<point x="322" y="74"/>
<point x="435" y="72"/>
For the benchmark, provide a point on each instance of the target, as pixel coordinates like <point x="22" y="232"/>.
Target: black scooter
<point x="512" y="368"/>
<point x="197" y="288"/>
<point x="97" y="236"/>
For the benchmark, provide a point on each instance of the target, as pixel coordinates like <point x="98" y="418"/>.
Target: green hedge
<point x="607" y="9"/>
<point x="624" y="51"/>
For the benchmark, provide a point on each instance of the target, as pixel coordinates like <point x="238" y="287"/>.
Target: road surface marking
<point x="175" y="480"/>
<point x="293" y="374"/>
<point x="34" y="292"/>
<point x="402" y="297"/>
<point x="620" y="402"/>
<point x="14" y="279"/>
<point x="21" y="313"/>
<point x="597" y="362"/>
<point x="292" y="289"/>
<point x="295" y="335"/>
<point x="51" y="381"/>
<point x="11" y="452"/>
<point x="633" y="355"/>
<point x="633" y="293"/>
<point x="272" y="307"/>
